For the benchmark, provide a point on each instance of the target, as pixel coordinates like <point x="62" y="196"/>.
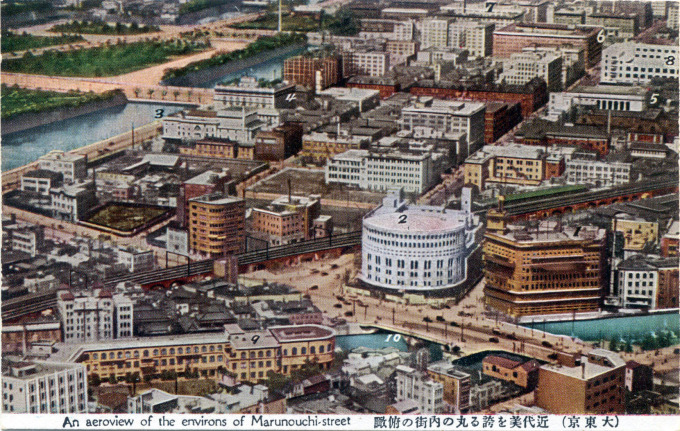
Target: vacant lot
<point x="125" y="217"/>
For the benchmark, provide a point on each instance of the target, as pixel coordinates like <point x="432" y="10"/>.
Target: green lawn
<point x="12" y="42"/>
<point x="107" y="60"/>
<point x="125" y="217"/>
<point x="16" y="8"/>
<point x="99" y="27"/>
<point x="17" y="101"/>
<point x="196" y="5"/>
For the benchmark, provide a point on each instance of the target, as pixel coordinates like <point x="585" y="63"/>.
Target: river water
<point x="26" y="146"/>
<point x="270" y="69"/>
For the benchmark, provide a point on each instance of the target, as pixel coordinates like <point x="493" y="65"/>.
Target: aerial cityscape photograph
<point x="363" y="214"/>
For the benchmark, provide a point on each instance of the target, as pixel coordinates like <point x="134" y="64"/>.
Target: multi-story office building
<point x="286" y="219"/>
<point x="29" y="239"/>
<point x="43" y="387"/>
<point x="389" y="29"/>
<point x="638" y="63"/>
<point x="434" y="32"/>
<point x="513" y="38"/>
<point x="94" y="316"/>
<point x="648" y="281"/>
<point x="416" y="248"/>
<point x="416" y="168"/>
<point x="320" y="146"/>
<point x="72" y="201"/>
<point x="456" y="384"/>
<point x="620" y="25"/>
<point x="672" y="21"/>
<point x="475" y="37"/>
<point x="447" y="116"/>
<point x="524" y="66"/>
<point x="206" y="183"/>
<point x="233" y="124"/>
<point x="510" y="164"/>
<point x="601" y="173"/>
<point x="216" y="225"/>
<point x="549" y="269"/>
<point x="605" y="97"/>
<point x="366" y="62"/>
<point x="595" y="384"/>
<point x="72" y="166"/>
<point x="316" y="73"/>
<point x="245" y="356"/>
<point x="637" y="231"/>
<point x="40" y="181"/>
<point x="278" y="143"/>
<point x="573" y="61"/>
<point x="416" y="385"/>
<point x="249" y="94"/>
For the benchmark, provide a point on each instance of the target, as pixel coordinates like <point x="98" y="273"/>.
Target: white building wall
<point x="638" y="288"/>
<point x="62" y="391"/>
<point x="638" y="63"/>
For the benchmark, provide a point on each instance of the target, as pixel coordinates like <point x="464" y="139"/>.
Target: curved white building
<point x="415" y="248"/>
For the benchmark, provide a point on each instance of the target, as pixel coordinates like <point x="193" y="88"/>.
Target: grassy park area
<point x="17" y="100"/>
<point x="12" y="42"/>
<point x="289" y="22"/>
<point x="109" y="60"/>
<point x="100" y="27"/>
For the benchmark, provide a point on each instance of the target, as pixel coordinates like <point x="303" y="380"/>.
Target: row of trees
<point x="101" y="27"/>
<point x="17" y="100"/>
<point x="651" y="341"/>
<point x="197" y="5"/>
<point x="20" y="42"/>
<point x="106" y="60"/>
<point x="263" y="44"/>
<point x="344" y="22"/>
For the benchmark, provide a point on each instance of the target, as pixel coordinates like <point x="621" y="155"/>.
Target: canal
<point x="270" y="69"/>
<point x="633" y="328"/>
<point x="384" y="339"/>
<point x="28" y="145"/>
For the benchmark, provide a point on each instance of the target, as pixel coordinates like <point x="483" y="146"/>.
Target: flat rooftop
<point x="417" y="222"/>
<point x="301" y="333"/>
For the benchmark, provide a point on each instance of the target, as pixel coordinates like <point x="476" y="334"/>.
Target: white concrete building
<point x="235" y="124"/>
<point x="96" y="315"/>
<point x="43" y="387"/>
<point x="475" y="37"/>
<point x="417" y="248"/>
<point x="40" y="181"/>
<point x="248" y="93"/>
<point x="417" y="386"/>
<point x="448" y="116"/>
<point x="598" y="172"/>
<point x="72" y="166"/>
<point x="573" y="61"/>
<point x="672" y="21"/>
<point x="639" y="278"/>
<point x="393" y="29"/>
<point x="638" y="63"/>
<point x="522" y="67"/>
<point x="71" y="201"/>
<point x="632" y="99"/>
<point x="415" y="168"/>
<point x="28" y="240"/>
<point x="136" y="260"/>
<point x="434" y="32"/>
<point x="364" y="98"/>
<point x="372" y="63"/>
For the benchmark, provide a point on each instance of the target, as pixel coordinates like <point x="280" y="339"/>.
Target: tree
<point x="164" y="93"/>
<point x="175" y="93"/>
<point x="137" y="91"/>
<point x="112" y="379"/>
<point x="150" y="92"/>
<point x="614" y="343"/>
<point x="94" y="380"/>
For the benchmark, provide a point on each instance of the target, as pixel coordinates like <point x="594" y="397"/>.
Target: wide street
<point x="327" y="275"/>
